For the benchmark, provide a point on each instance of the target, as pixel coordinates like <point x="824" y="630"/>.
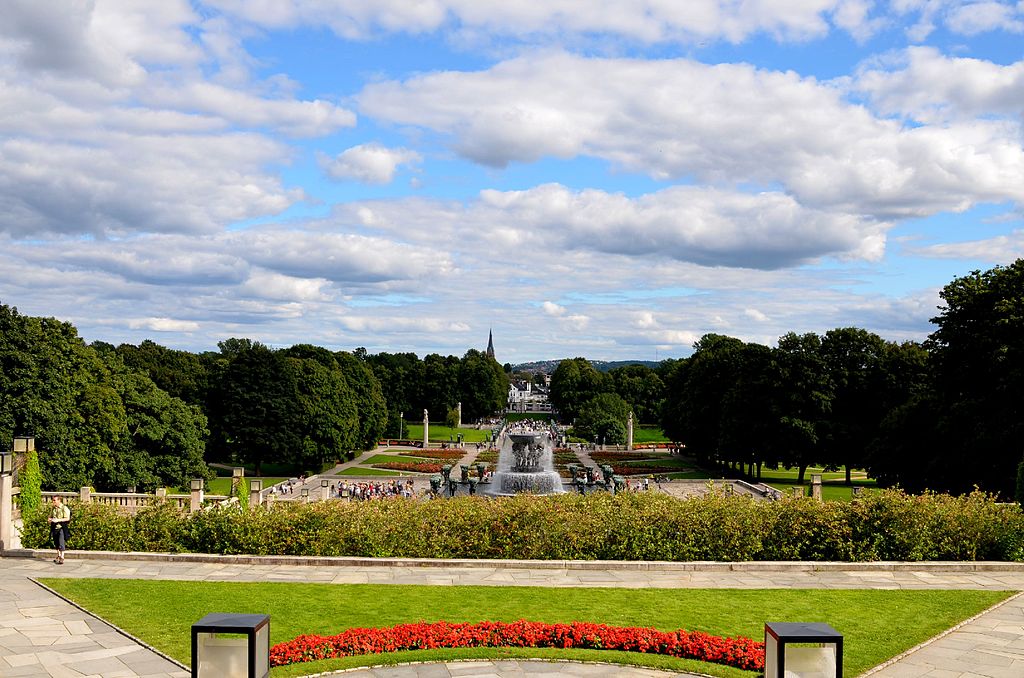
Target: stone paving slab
<point x="42" y="635"/>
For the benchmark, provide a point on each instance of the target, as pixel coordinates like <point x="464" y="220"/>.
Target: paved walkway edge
<point x="622" y="565"/>
<point x="939" y="637"/>
<point x="110" y="624"/>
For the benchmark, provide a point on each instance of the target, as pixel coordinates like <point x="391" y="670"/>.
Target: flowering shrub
<point x="887" y="525"/>
<point x="741" y="653"/>
<point x="413" y="466"/>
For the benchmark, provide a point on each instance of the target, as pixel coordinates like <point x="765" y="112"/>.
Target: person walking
<point x="60" y="517"/>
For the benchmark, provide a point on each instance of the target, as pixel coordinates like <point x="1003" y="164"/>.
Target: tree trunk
<point x="849" y="481"/>
<point x="800" y="477"/>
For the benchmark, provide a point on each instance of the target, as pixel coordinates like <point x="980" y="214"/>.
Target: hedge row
<point x="889" y="525"/>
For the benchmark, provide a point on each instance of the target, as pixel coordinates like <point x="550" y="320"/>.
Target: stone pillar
<point x="255" y="494"/>
<point x="196" y="502"/>
<point x="85" y="495"/>
<point x="426" y="428"/>
<point x="6" y="511"/>
<point x="816" y="486"/>
<point x="797" y="491"/>
<point x="629" y="433"/>
<point x="459" y="425"/>
<point x="858" y="491"/>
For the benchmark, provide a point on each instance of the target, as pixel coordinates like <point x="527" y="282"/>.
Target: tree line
<point x="115" y="417"/>
<point x="944" y="414"/>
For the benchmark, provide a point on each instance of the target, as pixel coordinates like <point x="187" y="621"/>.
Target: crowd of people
<point x="367" y="490"/>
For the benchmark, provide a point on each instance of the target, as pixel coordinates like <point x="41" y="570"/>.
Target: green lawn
<point x="876" y="624"/>
<point x="648" y="433"/>
<point x="366" y="471"/>
<point x="441" y="433"/>
<point x="223" y="486"/>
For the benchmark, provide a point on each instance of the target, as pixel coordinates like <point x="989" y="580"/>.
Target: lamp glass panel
<point x="262" y="666"/>
<point x="222" y="656"/>
<point x="810" y="662"/>
<point x="771" y="652"/>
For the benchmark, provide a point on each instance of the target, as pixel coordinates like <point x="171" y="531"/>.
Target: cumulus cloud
<point x="163" y="325"/>
<point x="731" y="123"/>
<point x="1002" y="249"/>
<point x="686" y="223"/>
<point x="552" y="309"/>
<point x="922" y="84"/>
<point x="369" y="163"/>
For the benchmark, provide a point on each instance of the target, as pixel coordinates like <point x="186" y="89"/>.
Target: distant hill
<point x="548" y="366"/>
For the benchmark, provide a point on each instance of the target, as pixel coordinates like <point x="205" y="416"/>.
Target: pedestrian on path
<point x="60" y="532"/>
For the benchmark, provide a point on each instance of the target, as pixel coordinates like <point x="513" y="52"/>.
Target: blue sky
<point x="607" y="179"/>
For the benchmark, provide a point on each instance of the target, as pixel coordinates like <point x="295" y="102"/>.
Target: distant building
<point x="524" y="396"/>
<point x="490" y="345"/>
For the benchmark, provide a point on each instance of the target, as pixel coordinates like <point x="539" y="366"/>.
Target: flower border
<point x="738" y="652"/>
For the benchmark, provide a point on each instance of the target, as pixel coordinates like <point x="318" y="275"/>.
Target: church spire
<point x="490" y="344"/>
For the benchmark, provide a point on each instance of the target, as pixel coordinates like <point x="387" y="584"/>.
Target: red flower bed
<point x="436" y="454"/>
<point x="416" y="467"/>
<point x="742" y="653"/>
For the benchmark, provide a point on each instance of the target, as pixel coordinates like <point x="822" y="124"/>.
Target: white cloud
<point x="981" y="17"/>
<point x="677" y="119"/>
<point x="1002" y="249"/>
<point x="686" y="223"/>
<point x="369" y="163"/>
<point x="163" y="325"/>
<point x="552" y="309"/>
<point x="922" y="84"/>
<point x="755" y="315"/>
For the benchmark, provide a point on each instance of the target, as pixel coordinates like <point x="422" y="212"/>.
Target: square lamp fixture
<point x="822" y="659"/>
<point x="24" y="444"/>
<point x="231" y="646"/>
<point x="6" y="462"/>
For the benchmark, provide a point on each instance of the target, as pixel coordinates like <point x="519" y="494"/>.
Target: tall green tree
<point x="371" y="408"/>
<point x="573" y="383"/>
<point x="260" y="416"/>
<point x="806" y="394"/>
<point x="603" y="419"/>
<point x="483" y="386"/>
<point x="642" y="388"/>
<point x="855" y="360"/>
<point x="978" y="354"/>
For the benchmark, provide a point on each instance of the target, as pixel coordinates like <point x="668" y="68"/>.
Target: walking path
<point x="41" y="635"/>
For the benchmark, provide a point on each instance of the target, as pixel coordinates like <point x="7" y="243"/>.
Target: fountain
<point x="525" y="465"/>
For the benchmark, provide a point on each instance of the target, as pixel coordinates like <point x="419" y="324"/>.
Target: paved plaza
<point x="42" y="635"/>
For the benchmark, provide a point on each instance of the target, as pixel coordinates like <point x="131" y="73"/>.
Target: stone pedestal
<point x="629" y="433"/>
<point x="6" y="511"/>
<point x="426" y="429"/>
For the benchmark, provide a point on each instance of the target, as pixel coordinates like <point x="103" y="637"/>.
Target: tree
<point x="695" y="392"/>
<point x="483" y="386"/>
<point x="855" y="360"/>
<point x="805" y="402"/>
<point x="978" y="353"/>
<point x="641" y="387"/>
<point x="603" y="418"/>
<point x="371" y="408"/>
<point x="259" y="410"/>
<point x="573" y="383"/>
<point x="440" y="383"/>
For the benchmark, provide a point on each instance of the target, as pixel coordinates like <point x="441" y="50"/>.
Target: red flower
<point x="742" y="653"/>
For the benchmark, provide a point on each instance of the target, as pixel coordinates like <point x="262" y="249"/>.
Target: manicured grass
<point x="649" y="433"/>
<point x="665" y="461"/>
<point x="366" y="471"/>
<point x="441" y="433"/>
<point x="828" y="492"/>
<point x="223" y="485"/>
<point x="876" y="624"/>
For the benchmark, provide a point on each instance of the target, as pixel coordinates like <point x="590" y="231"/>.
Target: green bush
<point x="889" y="525"/>
<point x="31" y="481"/>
